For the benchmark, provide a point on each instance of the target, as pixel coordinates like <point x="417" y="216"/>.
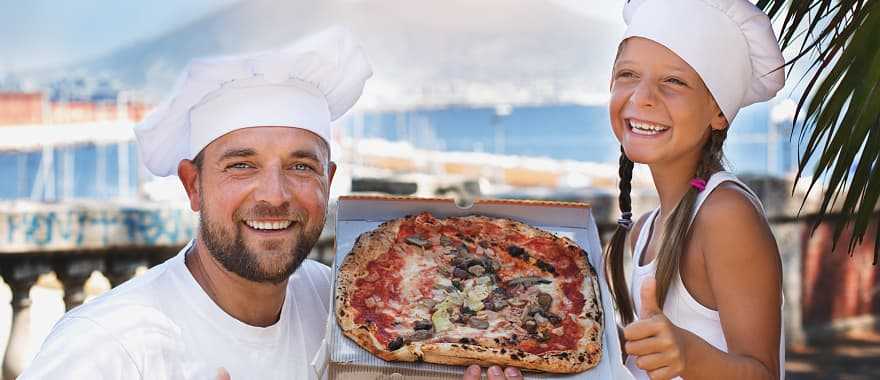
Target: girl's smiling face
<point x="660" y="109"/>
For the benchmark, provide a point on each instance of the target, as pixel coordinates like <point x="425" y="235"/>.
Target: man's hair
<point x="199" y="160"/>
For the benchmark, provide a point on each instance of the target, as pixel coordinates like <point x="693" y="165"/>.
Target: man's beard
<point x="230" y="250"/>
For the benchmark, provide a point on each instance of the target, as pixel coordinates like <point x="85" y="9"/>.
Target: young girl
<point x="705" y="298"/>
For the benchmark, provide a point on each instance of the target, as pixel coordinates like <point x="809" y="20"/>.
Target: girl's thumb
<point x="649" y="307"/>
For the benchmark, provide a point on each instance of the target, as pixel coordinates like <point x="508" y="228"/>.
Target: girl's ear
<point x="719" y="122"/>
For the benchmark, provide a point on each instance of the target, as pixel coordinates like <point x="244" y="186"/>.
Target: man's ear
<point x="719" y="122"/>
<point x="189" y="177"/>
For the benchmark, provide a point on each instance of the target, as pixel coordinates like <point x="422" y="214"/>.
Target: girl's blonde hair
<point x="677" y="232"/>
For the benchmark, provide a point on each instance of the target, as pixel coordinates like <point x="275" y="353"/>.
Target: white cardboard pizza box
<point x="343" y="359"/>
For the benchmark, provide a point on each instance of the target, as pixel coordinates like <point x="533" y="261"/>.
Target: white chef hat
<point x="305" y="85"/>
<point x="729" y="43"/>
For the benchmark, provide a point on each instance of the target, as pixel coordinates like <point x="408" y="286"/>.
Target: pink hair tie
<point x="699" y="184"/>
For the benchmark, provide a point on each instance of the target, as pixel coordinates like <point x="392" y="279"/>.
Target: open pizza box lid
<point x="341" y="358"/>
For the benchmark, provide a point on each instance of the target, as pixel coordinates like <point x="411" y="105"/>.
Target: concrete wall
<point x="66" y="227"/>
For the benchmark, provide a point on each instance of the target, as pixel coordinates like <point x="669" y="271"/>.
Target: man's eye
<point x="625" y="74"/>
<point x="239" y="165"/>
<point x="676" y="81"/>
<point x="302" y="167"/>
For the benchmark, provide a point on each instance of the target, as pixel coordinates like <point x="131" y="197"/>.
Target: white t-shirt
<point x="162" y="325"/>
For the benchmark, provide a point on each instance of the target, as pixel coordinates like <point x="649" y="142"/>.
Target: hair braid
<point x="614" y="252"/>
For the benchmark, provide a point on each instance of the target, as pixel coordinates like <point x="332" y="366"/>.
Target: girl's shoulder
<point x="729" y="222"/>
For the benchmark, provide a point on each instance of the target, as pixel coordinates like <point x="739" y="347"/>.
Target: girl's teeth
<point x="646" y="129"/>
<point x="268" y="225"/>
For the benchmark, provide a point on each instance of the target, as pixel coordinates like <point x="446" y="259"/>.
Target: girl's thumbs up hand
<point x="659" y="346"/>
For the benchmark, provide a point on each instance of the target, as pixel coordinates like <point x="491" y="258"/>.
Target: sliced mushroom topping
<point x="517" y="302"/>
<point x="477" y="270"/>
<point x="545" y="300"/>
<point x="554" y="319"/>
<point x="530" y="326"/>
<point x="533" y="309"/>
<point x="459" y="273"/>
<point x="395" y="344"/>
<point x="421" y="335"/>
<point x="445" y="240"/>
<point x="484" y="280"/>
<point x="415" y="240"/>
<point x="467" y="311"/>
<point x="527" y="281"/>
<point x="423" y="324"/>
<point x="498" y="304"/>
<point x="539" y="319"/>
<point x="478" y="323"/>
<point x="495" y="266"/>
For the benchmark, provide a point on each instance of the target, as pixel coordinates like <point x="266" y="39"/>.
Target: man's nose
<point x="273" y="188"/>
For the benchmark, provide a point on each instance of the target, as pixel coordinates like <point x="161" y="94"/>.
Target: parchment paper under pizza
<point x="471" y="290"/>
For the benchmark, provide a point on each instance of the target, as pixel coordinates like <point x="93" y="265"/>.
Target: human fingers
<point x="495" y="373"/>
<point x="653" y="361"/>
<point x="641" y="329"/>
<point x="663" y="373"/>
<point x="649" y="306"/>
<point x="472" y="372"/>
<point x="512" y="373"/>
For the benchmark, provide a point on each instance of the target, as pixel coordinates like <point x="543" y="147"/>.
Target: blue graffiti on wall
<point x="96" y="228"/>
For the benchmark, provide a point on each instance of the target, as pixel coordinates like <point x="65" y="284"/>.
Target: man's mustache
<point x="264" y="211"/>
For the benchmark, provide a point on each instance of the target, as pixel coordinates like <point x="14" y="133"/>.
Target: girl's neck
<point x="672" y="181"/>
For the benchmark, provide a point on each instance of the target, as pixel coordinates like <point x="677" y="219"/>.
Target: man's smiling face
<point x="262" y="193"/>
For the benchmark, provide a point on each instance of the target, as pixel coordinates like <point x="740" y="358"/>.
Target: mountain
<point x="424" y="53"/>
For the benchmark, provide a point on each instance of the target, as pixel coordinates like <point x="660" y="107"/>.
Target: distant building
<point x="21" y="108"/>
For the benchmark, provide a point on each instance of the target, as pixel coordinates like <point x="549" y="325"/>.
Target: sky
<point x="47" y="33"/>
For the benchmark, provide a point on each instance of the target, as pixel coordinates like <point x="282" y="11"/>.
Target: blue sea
<point x="572" y="132"/>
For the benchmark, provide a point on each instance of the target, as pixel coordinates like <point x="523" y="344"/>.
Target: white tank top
<point x="680" y="307"/>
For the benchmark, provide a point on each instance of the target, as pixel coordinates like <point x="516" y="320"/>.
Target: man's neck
<point x="256" y="304"/>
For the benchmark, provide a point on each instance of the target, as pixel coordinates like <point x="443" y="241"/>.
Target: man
<point x="248" y="137"/>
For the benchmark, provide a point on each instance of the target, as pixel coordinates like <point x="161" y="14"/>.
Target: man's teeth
<point x="645" y="128"/>
<point x="268" y="225"/>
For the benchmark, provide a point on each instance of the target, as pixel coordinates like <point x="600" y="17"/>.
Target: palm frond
<point x="839" y="110"/>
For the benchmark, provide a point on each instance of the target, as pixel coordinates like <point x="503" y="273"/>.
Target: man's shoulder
<point x="135" y="305"/>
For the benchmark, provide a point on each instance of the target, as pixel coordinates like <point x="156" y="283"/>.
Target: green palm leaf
<point x="839" y="110"/>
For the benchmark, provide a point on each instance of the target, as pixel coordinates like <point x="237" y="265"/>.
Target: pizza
<point x="471" y="290"/>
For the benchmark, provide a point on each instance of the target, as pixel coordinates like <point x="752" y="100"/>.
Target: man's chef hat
<point x="729" y="43"/>
<point x="306" y="85"/>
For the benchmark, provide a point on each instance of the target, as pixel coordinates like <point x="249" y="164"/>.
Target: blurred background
<point x="470" y="99"/>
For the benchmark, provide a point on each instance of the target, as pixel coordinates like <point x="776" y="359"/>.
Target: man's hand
<point x="659" y="346"/>
<point x="495" y="373"/>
